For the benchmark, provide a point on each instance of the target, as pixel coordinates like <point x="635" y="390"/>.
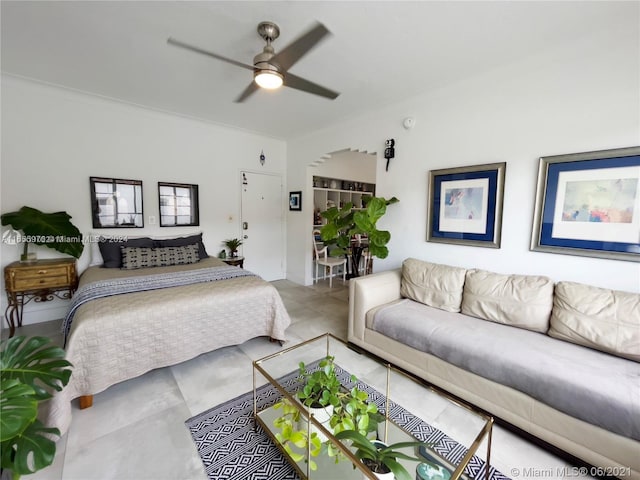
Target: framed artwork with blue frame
<point x="588" y="204"/>
<point x="465" y="205"/>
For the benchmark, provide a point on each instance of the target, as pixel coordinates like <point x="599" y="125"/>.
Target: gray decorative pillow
<point x="182" y="241"/>
<point x="142" y="257"/>
<point x="110" y="249"/>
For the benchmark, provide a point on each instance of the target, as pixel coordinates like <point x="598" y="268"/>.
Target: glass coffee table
<point x="452" y="431"/>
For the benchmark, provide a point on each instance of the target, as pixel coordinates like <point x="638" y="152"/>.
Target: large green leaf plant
<point x="342" y="224"/>
<point x="30" y="369"/>
<point x="53" y="230"/>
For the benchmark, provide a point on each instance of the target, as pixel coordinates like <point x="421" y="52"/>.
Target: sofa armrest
<point x="368" y="292"/>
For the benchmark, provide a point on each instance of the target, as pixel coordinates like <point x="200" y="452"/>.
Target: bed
<point x="116" y="337"/>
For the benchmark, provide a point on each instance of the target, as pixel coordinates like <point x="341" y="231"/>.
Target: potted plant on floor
<point x="381" y="459"/>
<point x="345" y="223"/>
<point x="29" y="370"/>
<point x="53" y="230"/>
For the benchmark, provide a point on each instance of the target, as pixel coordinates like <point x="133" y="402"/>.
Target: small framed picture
<point x="588" y="204"/>
<point x="465" y="205"/>
<point x="295" y="201"/>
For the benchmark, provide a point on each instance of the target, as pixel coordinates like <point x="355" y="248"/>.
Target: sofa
<point x="557" y="360"/>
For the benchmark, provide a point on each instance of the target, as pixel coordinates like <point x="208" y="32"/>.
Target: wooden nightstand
<point x="42" y="280"/>
<point x="234" y="261"/>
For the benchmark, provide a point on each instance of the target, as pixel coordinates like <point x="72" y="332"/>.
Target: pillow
<point x="436" y="285"/>
<point x="606" y="320"/>
<point x="110" y="249"/>
<point x="182" y="241"/>
<point x="523" y="301"/>
<point x="142" y="257"/>
<point x="95" y="257"/>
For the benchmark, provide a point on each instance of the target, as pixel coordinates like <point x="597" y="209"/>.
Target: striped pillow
<point x="144" y="257"/>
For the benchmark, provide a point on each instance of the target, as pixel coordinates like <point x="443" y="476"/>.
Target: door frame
<point x="283" y="224"/>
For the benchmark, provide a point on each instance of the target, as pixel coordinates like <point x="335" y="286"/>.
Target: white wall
<point x="53" y="140"/>
<point x="347" y="165"/>
<point x="579" y="97"/>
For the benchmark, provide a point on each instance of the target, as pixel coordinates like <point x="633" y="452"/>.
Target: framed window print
<point x="295" y="201"/>
<point x="178" y="204"/>
<point x="588" y="204"/>
<point x="465" y="205"/>
<point x="116" y="203"/>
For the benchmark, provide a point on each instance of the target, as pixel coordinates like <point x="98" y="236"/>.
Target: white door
<point x="262" y="226"/>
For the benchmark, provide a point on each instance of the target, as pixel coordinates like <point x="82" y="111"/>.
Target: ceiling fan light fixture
<point x="268" y="79"/>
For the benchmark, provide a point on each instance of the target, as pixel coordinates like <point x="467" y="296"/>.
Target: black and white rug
<point x="234" y="447"/>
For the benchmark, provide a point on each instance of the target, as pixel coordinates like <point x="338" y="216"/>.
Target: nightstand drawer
<point x="33" y="283"/>
<point x="39" y="272"/>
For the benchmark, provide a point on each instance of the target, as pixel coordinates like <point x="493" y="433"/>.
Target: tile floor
<point x="135" y="430"/>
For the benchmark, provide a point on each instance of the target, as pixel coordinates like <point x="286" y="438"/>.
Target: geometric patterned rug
<point x="233" y="446"/>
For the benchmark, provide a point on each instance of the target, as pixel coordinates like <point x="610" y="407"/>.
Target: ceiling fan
<point x="270" y="69"/>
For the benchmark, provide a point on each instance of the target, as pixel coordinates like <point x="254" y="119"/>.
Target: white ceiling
<point x="379" y="53"/>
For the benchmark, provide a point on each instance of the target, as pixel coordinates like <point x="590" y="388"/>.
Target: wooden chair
<point x="366" y="262"/>
<point x="322" y="258"/>
<point x="365" y="266"/>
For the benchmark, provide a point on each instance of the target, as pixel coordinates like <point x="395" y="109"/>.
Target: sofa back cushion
<point x="436" y="285"/>
<point x="523" y="301"/>
<point x="606" y="320"/>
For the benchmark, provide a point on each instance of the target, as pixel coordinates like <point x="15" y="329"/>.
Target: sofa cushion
<point x="599" y="318"/>
<point x="523" y="301"/>
<point x="578" y="381"/>
<point x="436" y="285"/>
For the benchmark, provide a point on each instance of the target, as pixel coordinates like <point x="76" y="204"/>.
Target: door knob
<point x="245" y="236"/>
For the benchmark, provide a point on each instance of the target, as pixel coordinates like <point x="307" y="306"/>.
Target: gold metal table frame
<point x="322" y="345"/>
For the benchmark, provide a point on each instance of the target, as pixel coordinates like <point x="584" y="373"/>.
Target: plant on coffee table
<point x="346" y="410"/>
<point x="381" y="458"/>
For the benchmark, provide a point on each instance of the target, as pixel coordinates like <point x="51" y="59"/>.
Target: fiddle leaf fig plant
<point x="29" y="370"/>
<point x="53" y="230"/>
<point x="342" y="224"/>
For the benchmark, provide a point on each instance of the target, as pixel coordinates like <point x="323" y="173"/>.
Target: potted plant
<point x="29" y="370"/>
<point x="233" y="244"/>
<point x="381" y="459"/>
<point x="53" y="230"/>
<point x="337" y="408"/>
<point x="344" y="223"/>
<point x="292" y="434"/>
<point x="321" y="386"/>
<point x="334" y="407"/>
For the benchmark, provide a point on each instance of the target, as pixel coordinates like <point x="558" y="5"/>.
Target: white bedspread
<point x="121" y="337"/>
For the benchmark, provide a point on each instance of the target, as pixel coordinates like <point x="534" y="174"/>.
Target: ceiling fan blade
<point x="178" y="43"/>
<point x="296" y="49"/>
<point x="299" y="83"/>
<point x="252" y="87"/>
